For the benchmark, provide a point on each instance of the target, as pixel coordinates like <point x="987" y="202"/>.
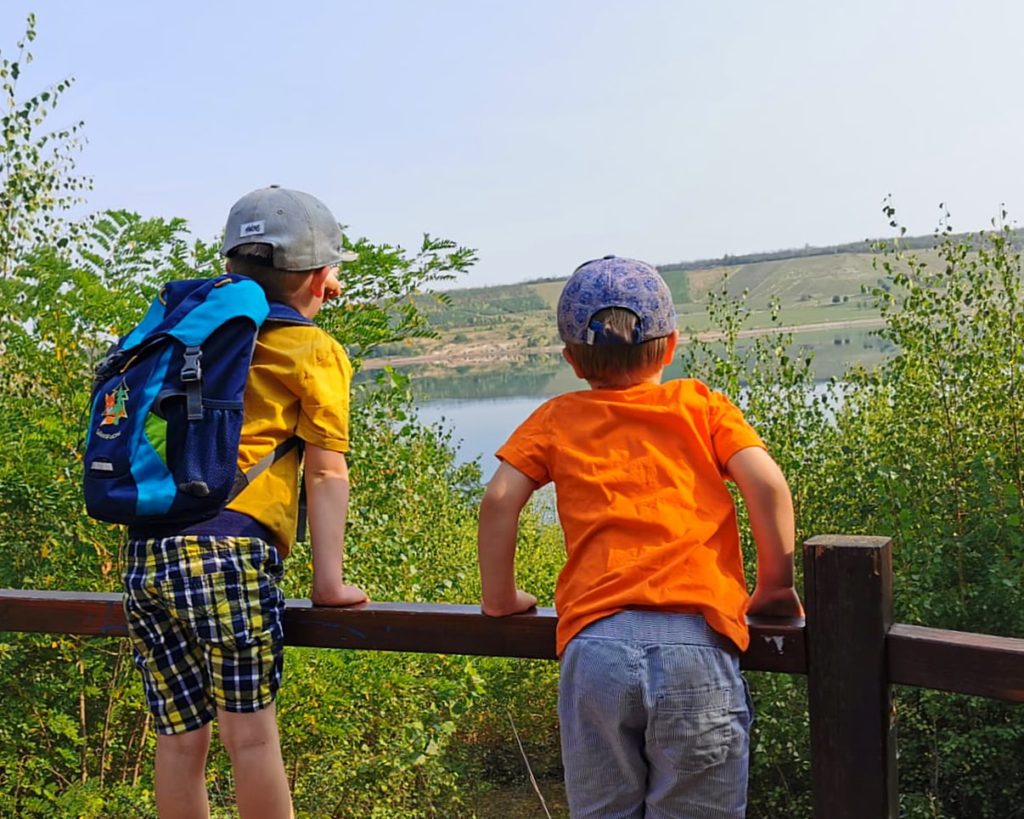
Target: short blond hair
<point x="618" y="363"/>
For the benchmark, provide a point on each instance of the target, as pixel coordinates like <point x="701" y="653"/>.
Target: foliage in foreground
<point x="403" y="735"/>
<point x="81" y="744"/>
<point x="927" y="449"/>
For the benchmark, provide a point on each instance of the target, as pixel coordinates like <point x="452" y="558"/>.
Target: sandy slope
<point x="479" y="353"/>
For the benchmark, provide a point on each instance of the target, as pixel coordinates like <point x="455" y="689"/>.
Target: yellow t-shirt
<point x="298" y="384"/>
<point x="649" y="523"/>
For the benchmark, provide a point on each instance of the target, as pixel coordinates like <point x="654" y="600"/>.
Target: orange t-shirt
<point x="649" y="523"/>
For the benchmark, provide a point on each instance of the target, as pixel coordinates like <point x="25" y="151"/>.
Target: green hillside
<point x="814" y="286"/>
<point x="483" y="305"/>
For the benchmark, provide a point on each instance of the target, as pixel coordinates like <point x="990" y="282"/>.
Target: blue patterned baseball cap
<point x="615" y="282"/>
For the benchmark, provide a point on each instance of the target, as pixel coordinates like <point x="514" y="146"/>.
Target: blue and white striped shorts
<point x="655" y="720"/>
<point x="205" y="615"/>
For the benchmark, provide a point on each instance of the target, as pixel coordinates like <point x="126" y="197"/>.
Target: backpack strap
<point x="193" y="310"/>
<point x="192" y="378"/>
<point x="300" y="523"/>
<point x="243" y="479"/>
<point x="284" y="314"/>
<point x="280" y="313"/>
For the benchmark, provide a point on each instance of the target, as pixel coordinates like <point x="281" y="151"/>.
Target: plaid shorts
<point x="205" y="615"/>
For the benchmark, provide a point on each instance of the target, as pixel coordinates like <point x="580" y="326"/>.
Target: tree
<point x="37" y="179"/>
<point x="927" y="449"/>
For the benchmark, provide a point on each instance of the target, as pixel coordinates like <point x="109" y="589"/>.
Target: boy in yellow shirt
<point x="651" y="602"/>
<point x="202" y="602"/>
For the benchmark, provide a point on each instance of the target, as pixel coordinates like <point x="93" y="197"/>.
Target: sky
<point x="547" y="132"/>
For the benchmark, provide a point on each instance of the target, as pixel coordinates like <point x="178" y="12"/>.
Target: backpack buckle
<point x="192" y="369"/>
<point x="110" y="364"/>
<point x="191" y="377"/>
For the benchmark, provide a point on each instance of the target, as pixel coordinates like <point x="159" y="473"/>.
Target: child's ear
<point x="670" y="347"/>
<point x="318" y="281"/>
<point x="572" y="363"/>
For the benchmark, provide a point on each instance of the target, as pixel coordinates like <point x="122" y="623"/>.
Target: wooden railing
<point x="848" y="647"/>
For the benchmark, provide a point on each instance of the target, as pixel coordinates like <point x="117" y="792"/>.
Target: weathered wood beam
<point x="848" y="598"/>
<point x="978" y="664"/>
<point x="776" y="645"/>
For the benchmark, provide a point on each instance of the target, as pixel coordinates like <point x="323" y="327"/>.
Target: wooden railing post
<point x="848" y="597"/>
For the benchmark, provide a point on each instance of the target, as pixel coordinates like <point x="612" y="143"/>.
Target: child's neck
<point x="305" y="303"/>
<point x="628" y="381"/>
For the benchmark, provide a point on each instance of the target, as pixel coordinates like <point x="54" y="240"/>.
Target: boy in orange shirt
<point x="654" y="712"/>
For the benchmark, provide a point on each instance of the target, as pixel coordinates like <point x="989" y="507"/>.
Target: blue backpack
<point x="166" y="406"/>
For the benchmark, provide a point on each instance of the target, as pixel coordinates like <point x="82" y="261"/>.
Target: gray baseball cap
<point x="615" y="282"/>
<point x="300" y="228"/>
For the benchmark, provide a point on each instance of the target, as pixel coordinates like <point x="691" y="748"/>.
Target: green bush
<point x="927" y="449"/>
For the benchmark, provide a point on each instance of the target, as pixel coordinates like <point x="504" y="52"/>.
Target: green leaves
<point x="37" y="180"/>
<point x="927" y="449"/>
<point x="379" y="302"/>
<point x="365" y="735"/>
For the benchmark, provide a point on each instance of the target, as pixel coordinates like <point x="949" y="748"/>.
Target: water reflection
<point x="834" y="352"/>
<point x="482" y="404"/>
<point x="540" y="374"/>
<point x="480" y="425"/>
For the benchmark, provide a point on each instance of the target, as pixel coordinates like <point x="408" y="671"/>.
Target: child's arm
<point x="506" y="495"/>
<point x="770" y="506"/>
<point x="327" y="499"/>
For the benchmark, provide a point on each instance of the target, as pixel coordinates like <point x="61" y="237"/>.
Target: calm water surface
<point x="480" y="425"/>
<point x="482" y="406"/>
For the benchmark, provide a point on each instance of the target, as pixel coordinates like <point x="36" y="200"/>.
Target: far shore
<point x="463" y="354"/>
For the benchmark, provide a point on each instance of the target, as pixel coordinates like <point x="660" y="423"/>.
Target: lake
<point x="480" y="425"/>
<point x="483" y="405"/>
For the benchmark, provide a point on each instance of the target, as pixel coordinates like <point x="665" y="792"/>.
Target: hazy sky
<point x="546" y="132"/>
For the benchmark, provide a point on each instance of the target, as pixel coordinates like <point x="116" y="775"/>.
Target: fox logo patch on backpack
<point x="166" y="406"/>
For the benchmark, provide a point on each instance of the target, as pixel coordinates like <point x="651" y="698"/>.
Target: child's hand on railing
<point x="775" y="602"/>
<point x="523" y="601"/>
<point x="341" y="594"/>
